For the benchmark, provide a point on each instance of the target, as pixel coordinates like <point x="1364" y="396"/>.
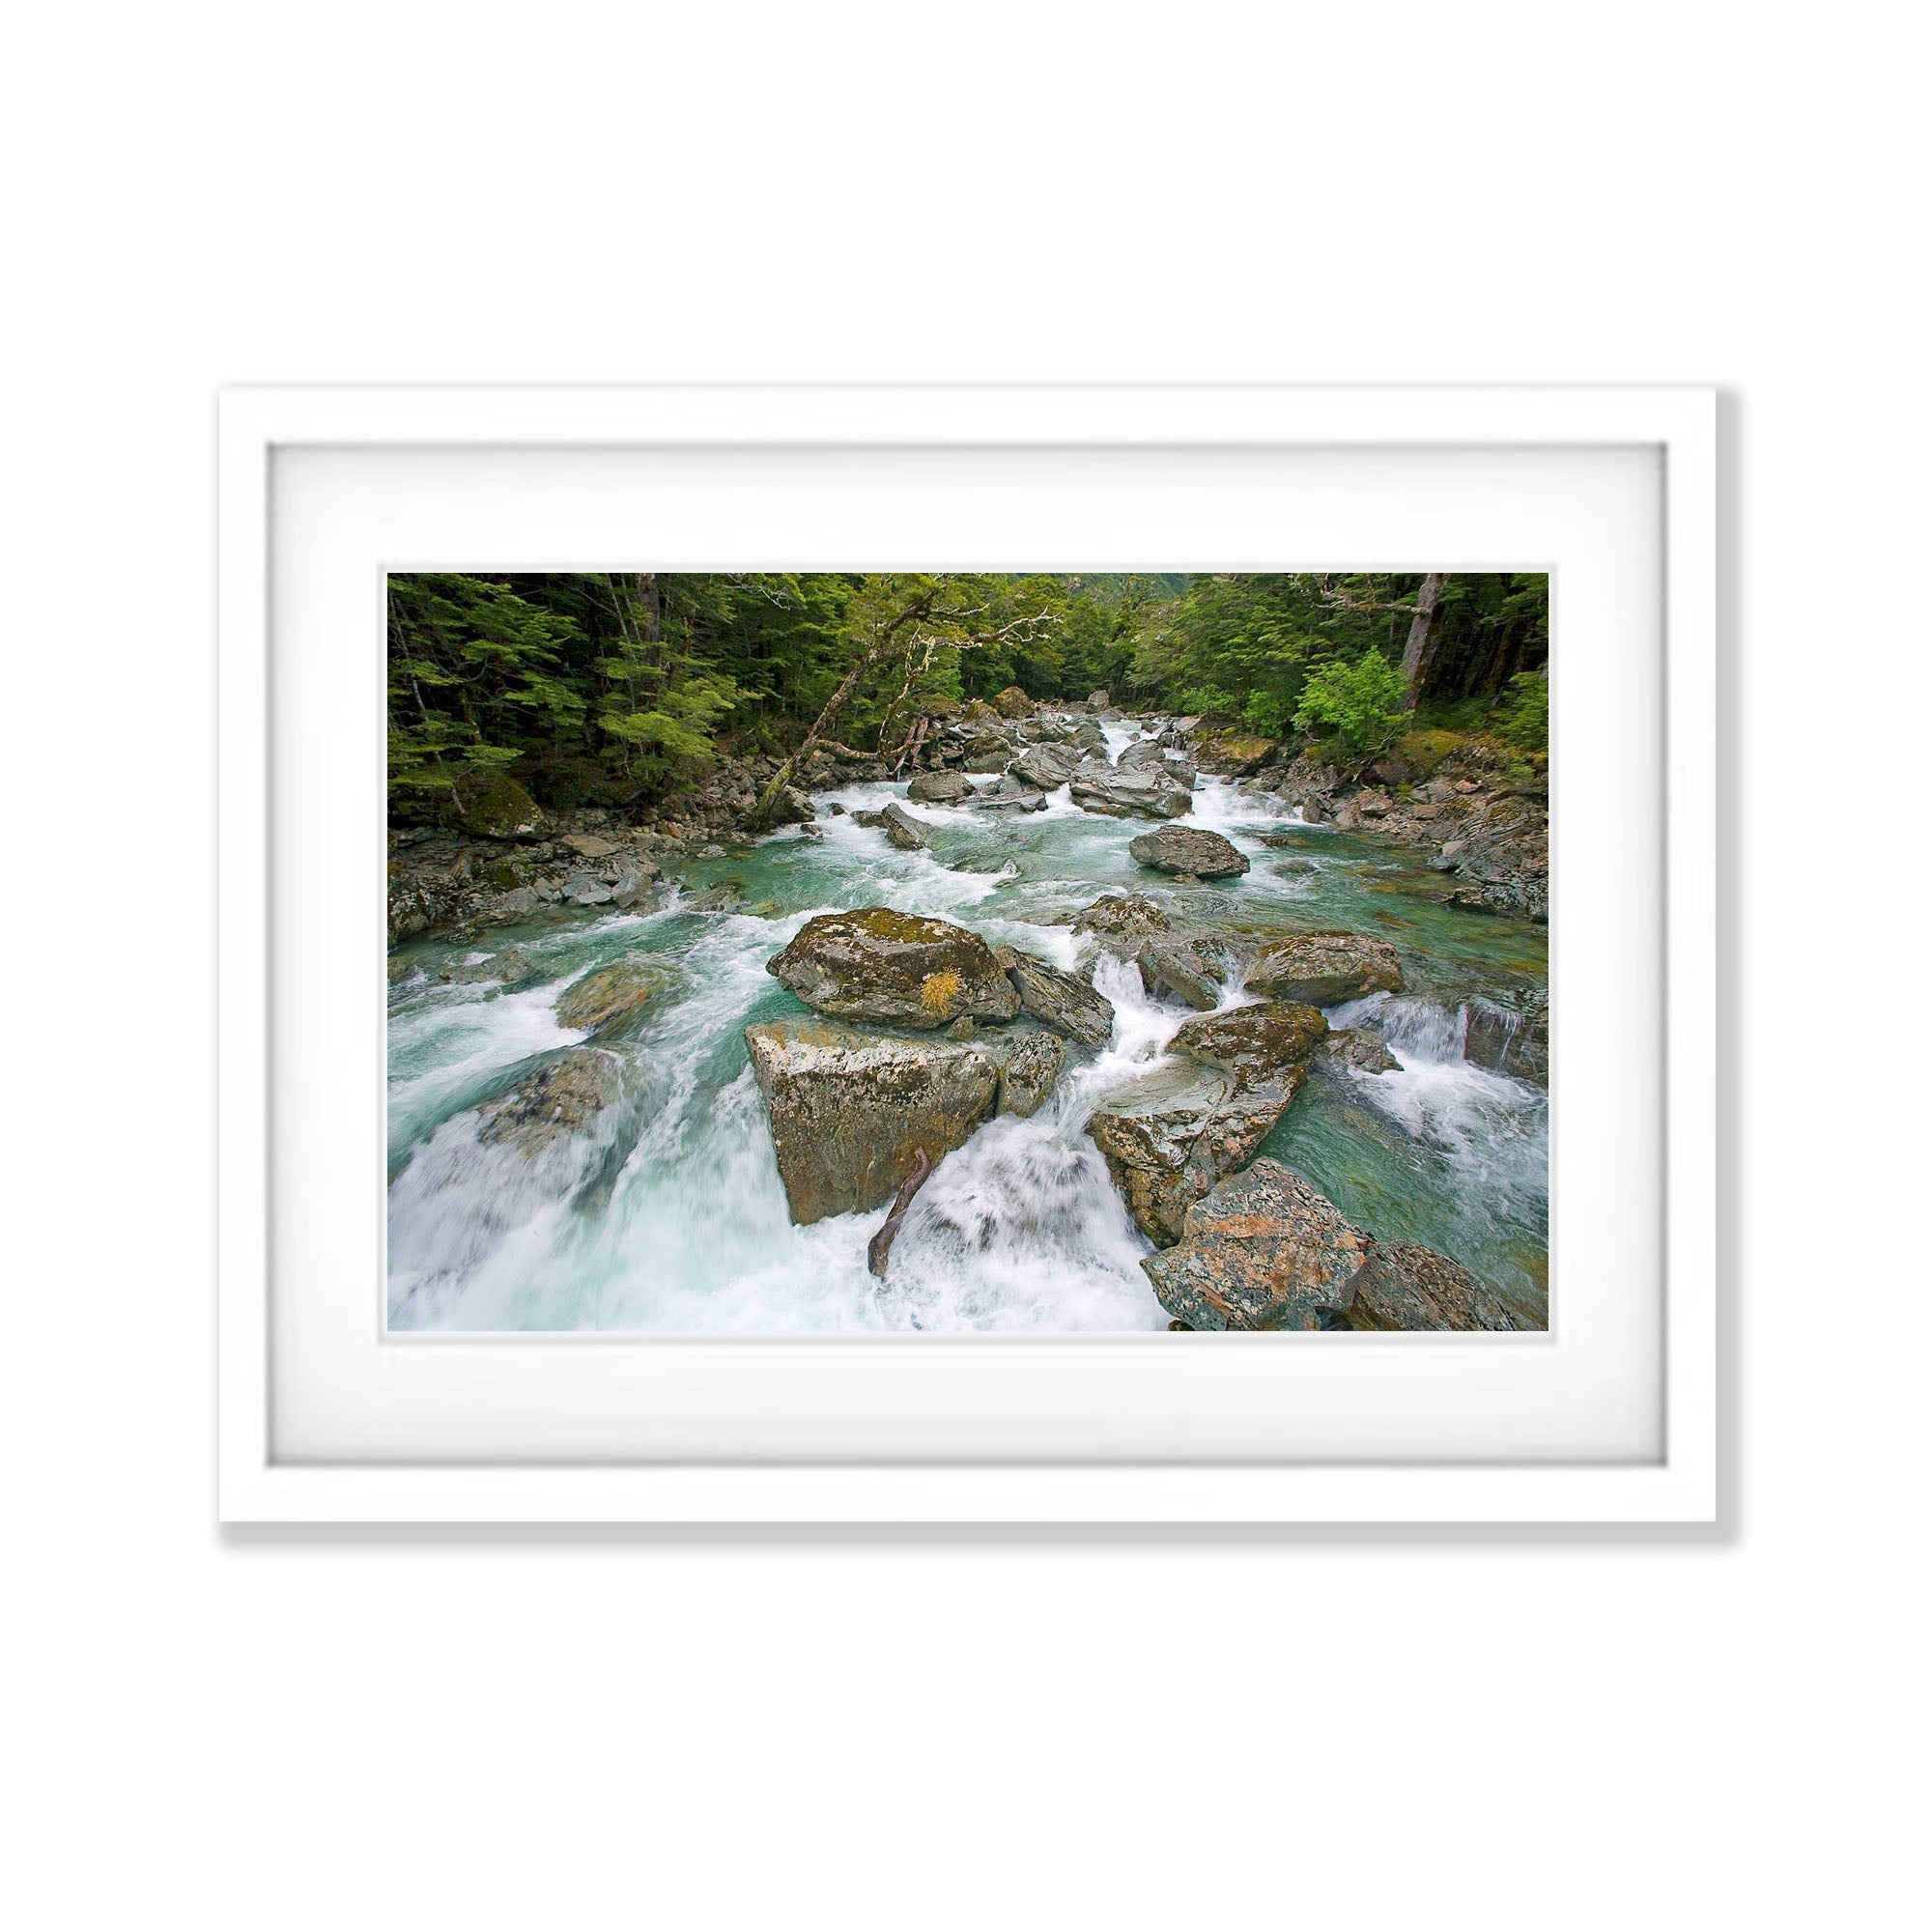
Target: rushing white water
<point x="667" y="1212"/>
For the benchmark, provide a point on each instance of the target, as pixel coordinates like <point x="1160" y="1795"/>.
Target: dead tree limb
<point x="880" y="1246"/>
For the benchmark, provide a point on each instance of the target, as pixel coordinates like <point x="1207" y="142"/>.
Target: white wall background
<point x="590" y="1729"/>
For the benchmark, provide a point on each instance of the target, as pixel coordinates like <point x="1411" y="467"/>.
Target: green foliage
<point x="1359" y="702"/>
<point x="1522" y="720"/>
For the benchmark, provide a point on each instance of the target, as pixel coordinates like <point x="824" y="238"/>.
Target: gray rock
<point x="1128" y="794"/>
<point x="1261" y="1251"/>
<point x="1045" y="765"/>
<point x="614" y="996"/>
<point x="1189" y="849"/>
<point x="1059" y="1000"/>
<point x="902" y="828"/>
<point x="939" y="789"/>
<point x="1008" y="794"/>
<point x="1252" y="1045"/>
<point x="1169" y="1136"/>
<point x="1321" y="969"/>
<point x="582" y="890"/>
<point x="850" y="1111"/>
<point x="1510" y="1034"/>
<point x="558" y="1098"/>
<point x="1180" y="971"/>
<point x="520" y="904"/>
<point x="1354" y="1049"/>
<point x="878" y="964"/>
<point x="1030" y="1067"/>
<point x="1123" y="915"/>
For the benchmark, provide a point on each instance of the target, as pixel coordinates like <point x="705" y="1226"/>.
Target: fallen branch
<point x="880" y="1246"/>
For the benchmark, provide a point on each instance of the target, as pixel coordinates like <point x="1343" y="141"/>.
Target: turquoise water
<point x="667" y="1213"/>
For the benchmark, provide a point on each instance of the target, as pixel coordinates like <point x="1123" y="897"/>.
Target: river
<point x="667" y="1213"/>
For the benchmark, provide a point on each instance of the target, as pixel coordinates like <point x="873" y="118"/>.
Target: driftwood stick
<point x="880" y="1246"/>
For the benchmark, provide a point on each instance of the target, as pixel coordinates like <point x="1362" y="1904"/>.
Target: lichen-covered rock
<point x="1123" y="915"/>
<point x="1321" y="969"/>
<point x="850" y="1111"/>
<point x="1252" y="1043"/>
<point x="1175" y="968"/>
<point x="1155" y="754"/>
<point x="1133" y="793"/>
<point x="1008" y="794"/>
<point x="877" y="964"/>
<point x="1231" y="755"/>
<point x="494" y="806"/>
<point x="1030" y="1067"/>
<point x="1045" y="765"/>
<point x="1510" y="1034"/>
<point x="1261" y="1251"/>
<point x="1012" y="702"/>
<point x="1402" y="1284"/>
<point x="902" y="828"/>
<point x="1189" y="848"/>
<point x="613" y="994"/>
<point x="507" y="967"/>
<point x="1059" y="1000"/>
<point x="1170" y="1135"/>
<point x="558" y="1098"/>
<point x="939" y="789"/>
<point x="1354" y="1049"/>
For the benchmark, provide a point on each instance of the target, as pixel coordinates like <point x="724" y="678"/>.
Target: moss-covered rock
<point x="614" y="995"/>
<point x="558" y="1098"/>
<point x="494" y="806"/>
<point x="1252" y="1043"/>
<point x="1190" y="849"/>
<point x="895" y="966"/>
<point x="1013" y="702"/>
<point x="1321" y="969"/>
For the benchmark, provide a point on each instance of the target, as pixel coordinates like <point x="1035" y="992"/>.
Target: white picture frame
<point x="361" y="1467"/>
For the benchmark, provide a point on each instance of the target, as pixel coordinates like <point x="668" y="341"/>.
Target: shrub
<point x="938" y="991"/>
<point x="1267" y="714"/>
<point x="1523" y="719"/>
<point x="1360" y="702"/>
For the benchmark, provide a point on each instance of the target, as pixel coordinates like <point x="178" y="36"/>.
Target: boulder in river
<point x="1155" y="754"/>
<point x="1262" y="1250"/>
<point x="1252" y="1043"/>
<point x="558" y="1098"/>
<point x="939" y="789"/>
<point x="1030" y="1067"/>
<point x="1012" y="702"/>
<point x="1189" y="848"/>
<point x="1173" y="967"/>
<point x="1321" y="969"/>
<point x="1170" y="1135"/>
<point x="902" y="828"/>
<point x="1099" y="700"/>
<point x="1510" y="1034"/>
<point x="1045" y="765"/>
<point x="613" y="994"/>
<point x="877" y="964"/>
<point x="850" y="1111"/>
<point x="1402" y="1285"/>
<point x="1059" y="1000"/>
<point x="1125" y="915"/>
<point x="1128" y="794"/>
<point x="1354" y="1050"/>
<point x="1008" y="794"/>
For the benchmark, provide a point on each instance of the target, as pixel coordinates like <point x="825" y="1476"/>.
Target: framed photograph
<point x="954" y="955"/>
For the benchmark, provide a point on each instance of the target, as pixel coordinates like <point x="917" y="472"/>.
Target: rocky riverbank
<point x="1479" y="817"/>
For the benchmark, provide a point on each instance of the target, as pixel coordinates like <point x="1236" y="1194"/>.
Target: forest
<point x="611" y="689"/>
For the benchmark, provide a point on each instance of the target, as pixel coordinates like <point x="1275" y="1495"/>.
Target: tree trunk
<point x="880" y="1247"/>
<point x="1420" y="651"/>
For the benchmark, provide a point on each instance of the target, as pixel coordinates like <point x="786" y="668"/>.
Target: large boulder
<point x="988" y="751"/>
<point x="902" y="828"/>
<point x="558" y="1098"/>
<point x="1045" y="765"/>
<point x="1176" y="969"/>
<point x="1008" y="794"/>
<point x="1088" y="739"/>
<point x="1509" y="1032"/>
<point x="1012" y="702"/>
<point x="1154" y="754"/>
<point x="1254" y="1043"/>
<point x="877" y="964"/>
<point x="939" y="788"/>
<point x="1170" y="1135"/>
<point x="1099" y="700"/>
<point x="1402" y="1285"/>
<point x="1265" y="1251"/>
<point x="494" y="806"/>
<point x="1232" y="753"/>
<point x="1122" y="915"/>
<point x="1189" y="848"/>
<point x="607" y="1001"/>
<point x="1059" y="1000"/>
<point x="1321" y="969"/>
<point x="1133" y="793"/>
<point x="850" y="1111"/>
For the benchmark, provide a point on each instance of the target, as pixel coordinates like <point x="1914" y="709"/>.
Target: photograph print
<point x="868" y="952"/>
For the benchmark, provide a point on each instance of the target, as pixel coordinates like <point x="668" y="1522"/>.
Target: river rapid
<point x="667" y="1213"/>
